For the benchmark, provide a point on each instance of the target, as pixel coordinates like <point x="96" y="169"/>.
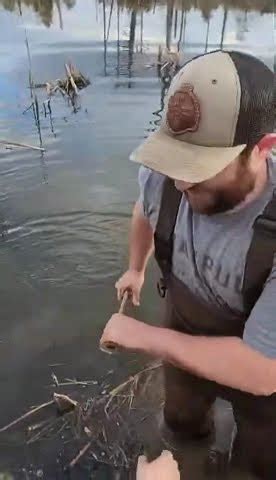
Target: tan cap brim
<point x="183" y="161"/>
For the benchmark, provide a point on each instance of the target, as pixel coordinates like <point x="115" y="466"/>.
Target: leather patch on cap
<point x="183" y="114"/>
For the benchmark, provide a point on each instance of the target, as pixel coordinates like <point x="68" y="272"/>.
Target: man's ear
<point x="267" y="142"/>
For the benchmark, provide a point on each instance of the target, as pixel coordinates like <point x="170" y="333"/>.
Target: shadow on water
<point x="64" y="214"/>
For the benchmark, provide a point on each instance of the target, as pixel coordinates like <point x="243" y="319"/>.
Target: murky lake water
<point x="64" y="215"/>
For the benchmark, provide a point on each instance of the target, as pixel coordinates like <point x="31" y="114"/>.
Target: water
<point x="64" y="215"/>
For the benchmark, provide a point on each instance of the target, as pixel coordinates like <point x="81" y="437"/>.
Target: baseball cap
<point x="217" y="104"/>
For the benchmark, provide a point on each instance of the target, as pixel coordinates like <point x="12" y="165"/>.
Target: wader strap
<point x="260" y="255"/>
<point x="164" y="233"/>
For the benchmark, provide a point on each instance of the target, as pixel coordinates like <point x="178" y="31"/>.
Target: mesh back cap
<point x="212" y="112"/>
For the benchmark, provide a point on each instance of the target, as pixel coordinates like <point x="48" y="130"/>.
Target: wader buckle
<point x="161" y="287"/>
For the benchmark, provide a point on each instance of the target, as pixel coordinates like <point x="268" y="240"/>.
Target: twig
<point x="124" y="302"/>
<point x="69" y="382"/>
<point x="33" y="428"/>
<point x="62" y="428"/>
<point x="110" y="347"/>
<point x="27" y="109"/>
<point x="81" y="382"/>
<point x="39" y="85"/>
<point x="123" y="455"/>
<point x="62" y="91"/>
<point x="56" y="364"/>
<point x="55" y="379"/>
<point x="80" y="454"/>
<point x="119" y="388"/>
<point x="42" y="432"/>
<point x="133" y="378"/>
<point x="26" y="415"/>
<point x="24" y="145"/>
<point x="71" y="79"/>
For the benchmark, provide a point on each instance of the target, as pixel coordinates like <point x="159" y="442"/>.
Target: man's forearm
<point x="141" y="240"/>
<point x="226" y="360"/>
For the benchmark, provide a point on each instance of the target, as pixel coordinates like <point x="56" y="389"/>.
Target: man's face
<point x="221" y="193"/>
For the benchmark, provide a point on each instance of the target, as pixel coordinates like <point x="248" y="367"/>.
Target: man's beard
<point x="210" y="202"/>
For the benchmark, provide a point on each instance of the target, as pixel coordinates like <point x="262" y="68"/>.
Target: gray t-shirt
<point x="210" y="253"/>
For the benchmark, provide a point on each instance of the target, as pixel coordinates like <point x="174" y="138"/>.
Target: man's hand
<point x="163" y="468"/>
<point x="126" y="332"/>
<point x="132" y="280"/>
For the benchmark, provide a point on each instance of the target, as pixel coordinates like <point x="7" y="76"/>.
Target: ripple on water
<point x="76" y="248"/>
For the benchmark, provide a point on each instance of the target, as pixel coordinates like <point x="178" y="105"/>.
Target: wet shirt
<point x="210" y="254"/>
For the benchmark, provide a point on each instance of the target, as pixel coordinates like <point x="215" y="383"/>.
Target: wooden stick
<point x="26" y="415"/>
<point x="110" y="347"/>
<point x="123" y="302"/>
<point x="71" y="79"/>
<point x="80" y="454"/>
<point x="24" y="145"/>
<point x="64" y="403"/>
<point x="42" y="432"/>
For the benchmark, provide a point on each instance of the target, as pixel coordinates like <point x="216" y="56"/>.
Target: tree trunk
<point x="59" y="14"/>
<point x="175" y="22"/>
<point x="105" y="40"/>
<point x="169" y="24"/>
<point x="131" y="42"/>
<point x="118" y="40"/>
<point x="141" y="32"/>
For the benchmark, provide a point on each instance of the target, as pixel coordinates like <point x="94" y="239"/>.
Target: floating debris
<point x="110" y="428"/>
<point x="80" y="455"/>
<point x="170" y="58"/>
<point x="69" y="86"/>
<point x="64" y="403"/>
<point x="168" y="64"/>
<point x="36" y="426"/>
<point x="10" y="145"/>
<point x="55" y="379"/>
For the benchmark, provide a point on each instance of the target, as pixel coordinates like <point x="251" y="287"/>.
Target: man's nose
<point x="183" y="186"/>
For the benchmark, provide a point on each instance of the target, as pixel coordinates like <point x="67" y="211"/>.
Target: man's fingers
<point x="136" y="298"/>
<point x="166" y="454"/>
<point x="142" y="460"/>
<point x="120" y="292"/>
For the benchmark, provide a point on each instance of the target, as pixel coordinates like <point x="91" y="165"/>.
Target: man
<point x="208" y="208"/>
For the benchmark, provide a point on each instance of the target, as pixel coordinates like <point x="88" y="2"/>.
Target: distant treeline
<point x="45" y="8"/>
<point x="206" y="6"/>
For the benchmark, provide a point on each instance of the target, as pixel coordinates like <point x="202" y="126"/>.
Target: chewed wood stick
<point x="124" y="302"/>
<point x="110" y="347"/>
